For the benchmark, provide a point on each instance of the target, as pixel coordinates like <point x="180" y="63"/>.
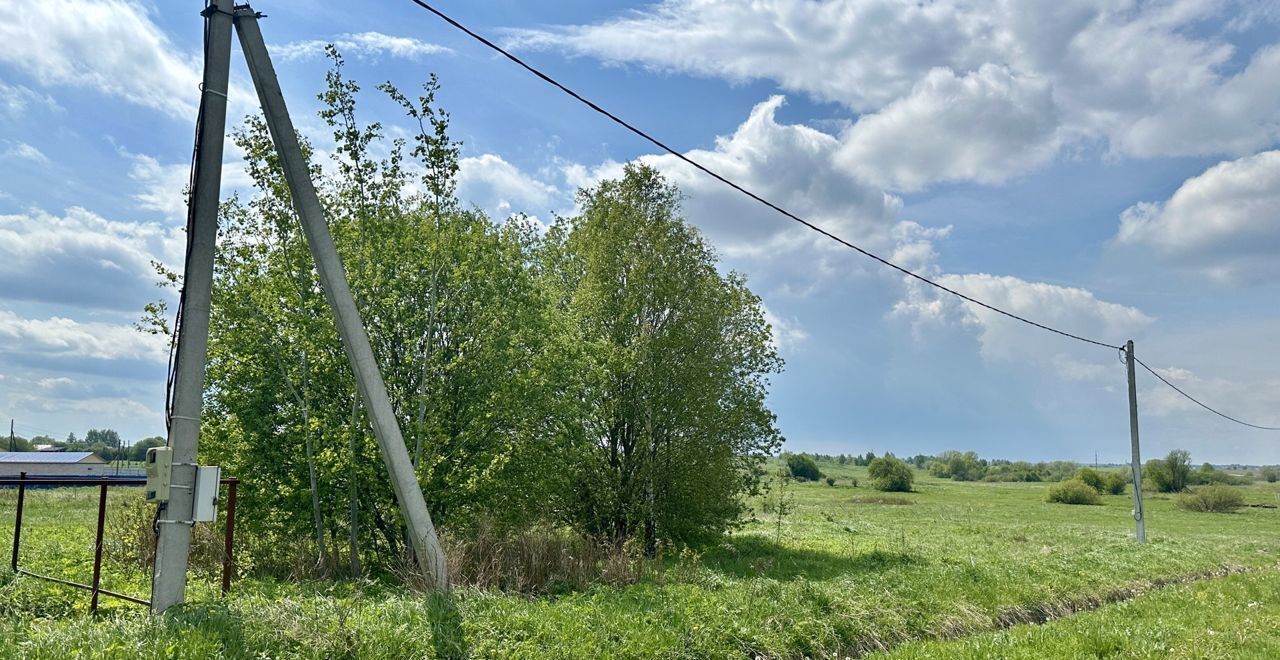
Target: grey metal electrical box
<point x="159" y="474"/>
<point x="205" y="504"/>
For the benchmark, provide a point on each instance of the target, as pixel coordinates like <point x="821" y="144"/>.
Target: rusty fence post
<point x="228" y="559"/>
<point x="97" y="544"/>
<point x="17" y="523"/>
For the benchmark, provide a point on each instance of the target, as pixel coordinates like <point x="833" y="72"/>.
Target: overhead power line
<point x="788" y="214"/>
<point x="1196" y="401"/>
<point x="745" y="191"/>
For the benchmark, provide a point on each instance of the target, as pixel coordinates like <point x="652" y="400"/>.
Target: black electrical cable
<point x="658" y="143"/>
<point x="1199" y="403"/>
<point x="741" y="189"/>
<point x="182" y="294"/>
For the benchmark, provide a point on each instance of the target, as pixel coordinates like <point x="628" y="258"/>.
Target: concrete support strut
<point x="355" y="341"/>
<point x="1138" y="514"/>
<point x="169" y="581"/>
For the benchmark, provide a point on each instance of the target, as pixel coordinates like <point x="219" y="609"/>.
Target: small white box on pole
<point x="205" y="505"/>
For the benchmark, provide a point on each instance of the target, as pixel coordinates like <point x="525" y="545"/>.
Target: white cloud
<point x="27" y="152"/>
<point x="1225" y="221"/>
<point x="1253" y="399"/>
<point x="792" y="165"/>
<point x="16" y="100"/>
<point x="1071" y="309"/>
<point x="501" y="189"/>
<point x="110" y="46"/>
<point x="861" y="54"/>
<point x="82" y="259"/>
<point x="980" y="91"/>
<point x="163" y="186"/>
<point x="1008" y="123"/>
<point x="364" y="45"/>
<point x="787" y="333"/>
<point x="58" y="337"/>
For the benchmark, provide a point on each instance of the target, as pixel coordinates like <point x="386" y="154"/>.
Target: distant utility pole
<point x="12" y="442"/>
<point x="1133" y="439"/>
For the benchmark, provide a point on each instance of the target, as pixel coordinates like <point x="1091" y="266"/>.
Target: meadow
<point x="953" y="569"/>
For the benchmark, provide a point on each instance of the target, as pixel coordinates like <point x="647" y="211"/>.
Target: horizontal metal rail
<point x="103" y="482"/>
<point x="69" y="583"/>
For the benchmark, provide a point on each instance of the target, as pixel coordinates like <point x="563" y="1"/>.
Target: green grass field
<point x="950" y="570"/>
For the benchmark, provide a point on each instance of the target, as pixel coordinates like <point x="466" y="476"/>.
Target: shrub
<point x="1115" y="483"/>
<point x="890" y="474"/>
<point x="1171" y="474"/>
<point x="831" y="481"/>
<point x="853" y="482"/>
<point x="1212" y="499"/>
<point x="1271" y="475"/>
<point x="1092" y="477"/>
<point x="803" y="467"/>
<point x="1073" y="491"/>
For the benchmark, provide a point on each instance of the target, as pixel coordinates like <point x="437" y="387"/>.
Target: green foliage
<point x="831" y="481"/>
<point x="958" y="466"/>
<point x="1171" y="474"/>
<point x="803" y="467"/>
<point x="1096" y="480"/>
<point x="1115" y="483"/>
<point x="1270" y="474"/>
<point x="677" y="359"/>
<point x="1207" y="474"/>
<point x="1214" y="498"/>
<point x="1016" y="561"/>
<point x="479" y="364"/>
<point x="105" y="437"/>
<point x="138" y="452"/>
<point x="890" y="474"/>
<point x="1073" y="491"/>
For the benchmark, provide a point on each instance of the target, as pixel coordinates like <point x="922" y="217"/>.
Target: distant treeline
<point x="1169" y="474"/>
<point x="103" y="442"/>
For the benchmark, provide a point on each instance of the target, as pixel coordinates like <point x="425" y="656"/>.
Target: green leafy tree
<point x="1093" y="478"/>
<point x="138" y="452"/>
<point x="1172" y="474"/>
<point x="803" y="467"/>
<point x="677" y="360"/>
<point x="890" y="474"/>
<point x="105" y="437"/>
<point x="477" y="361"/>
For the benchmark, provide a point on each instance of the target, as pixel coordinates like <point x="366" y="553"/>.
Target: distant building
<point x="48" y="448"/>
<point x="52" y="464"/>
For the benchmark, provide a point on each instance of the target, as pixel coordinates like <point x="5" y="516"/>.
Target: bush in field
<point x="1073" y="491"/>
<point x="1172" y="474"/>
<point x="1115" y="483"/>
<point x="831" y="481"/>
<point x="803" y="467"/>
<point x="1212" y="499"/>
<point x="890" y="474"/>
<point x="1270" y="475"/>
<point x="1207" y="474"/>
<point x="1090" y="476"/>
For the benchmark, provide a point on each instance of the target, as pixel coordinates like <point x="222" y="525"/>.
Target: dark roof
<point x="49" y="457"/>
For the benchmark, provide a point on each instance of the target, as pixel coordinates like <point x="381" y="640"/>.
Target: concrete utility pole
<point x="169" y="583"/>
<point x="373" y="391"/>
<point x="1133" y="439"/>
<point x="12" y="439"/>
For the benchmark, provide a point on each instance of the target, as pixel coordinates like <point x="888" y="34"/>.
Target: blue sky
<point x="1106" y="167"/>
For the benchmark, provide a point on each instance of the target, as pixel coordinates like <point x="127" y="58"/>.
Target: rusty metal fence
<point x="23" y="481"/>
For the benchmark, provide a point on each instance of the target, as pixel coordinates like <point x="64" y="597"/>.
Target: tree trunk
<point x="353" y="510"/>
<point x="316" y="515"/>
